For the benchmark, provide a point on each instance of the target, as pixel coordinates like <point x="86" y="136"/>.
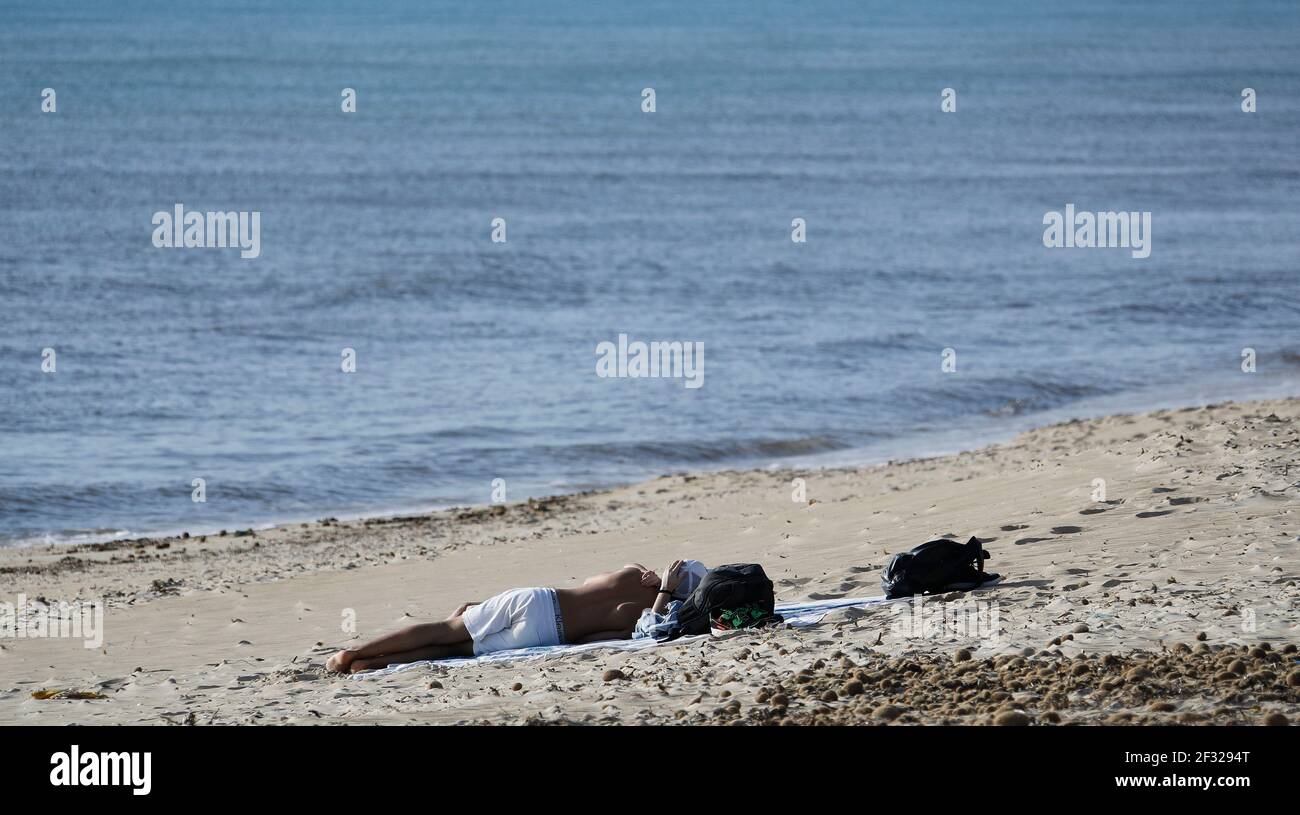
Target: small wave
<point x="1290" y="357"/>
<point x="854" y="347"/>
<point x="692" y="452"/>
<point x="955" y="398"/>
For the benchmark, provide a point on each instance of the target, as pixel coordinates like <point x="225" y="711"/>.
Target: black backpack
<point x="734" y="592"/>
<point x="937" y="566"/>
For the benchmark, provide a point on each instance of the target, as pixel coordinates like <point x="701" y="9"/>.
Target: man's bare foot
<point x="368" y="664"/>
<point x="341" y="662"/>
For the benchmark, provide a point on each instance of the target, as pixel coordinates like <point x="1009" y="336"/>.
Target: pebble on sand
<point x="887" y="712"/>
<point x="613" y="675"/>
<point x="1276" y="720"/>
<point x="1011" y="718"/>
<point x="962" y="655"/>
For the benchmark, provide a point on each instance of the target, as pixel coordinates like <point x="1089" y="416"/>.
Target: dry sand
<point x="1172" y="600"/>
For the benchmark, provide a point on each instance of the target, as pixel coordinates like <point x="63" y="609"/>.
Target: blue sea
<point x="476" y="360"/>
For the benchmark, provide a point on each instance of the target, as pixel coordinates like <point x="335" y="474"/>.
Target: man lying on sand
<point x="604" y="607"/>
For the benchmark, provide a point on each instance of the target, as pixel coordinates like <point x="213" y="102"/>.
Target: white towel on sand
<point x="799" y="615"/>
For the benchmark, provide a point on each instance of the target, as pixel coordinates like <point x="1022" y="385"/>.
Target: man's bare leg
<point x="449" y="632"/>
<point x="460" y="649"/>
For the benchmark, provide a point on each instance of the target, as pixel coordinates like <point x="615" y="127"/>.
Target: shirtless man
<point x="604" y="607"/>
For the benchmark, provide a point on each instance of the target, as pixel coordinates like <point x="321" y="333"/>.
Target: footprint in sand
<point x="1066" y="530"/>
<point x="1159" y="490"/>
<point x="1190" y="499"/>
<point x="1095" y="511"/>
<point x="1014" y="527"/>
<point x="1023" y="541"/>
<point x="817" y="595"/>
<point x="1155" y="514"/>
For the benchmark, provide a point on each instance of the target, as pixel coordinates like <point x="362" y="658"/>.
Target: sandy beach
<point x="1149" y="564"/>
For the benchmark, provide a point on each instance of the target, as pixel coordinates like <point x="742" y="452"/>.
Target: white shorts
<point x="519" y="618"/>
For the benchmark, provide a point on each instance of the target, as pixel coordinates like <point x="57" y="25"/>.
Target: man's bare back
<point x="607" y="606"/>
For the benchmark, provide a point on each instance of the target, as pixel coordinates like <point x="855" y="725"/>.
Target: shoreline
<point x="920" y="445"/>
<point x="1193" y="543"/>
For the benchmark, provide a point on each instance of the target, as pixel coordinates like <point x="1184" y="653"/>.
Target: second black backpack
<point x="936" y="566"/>
<point x="728" y="592"/>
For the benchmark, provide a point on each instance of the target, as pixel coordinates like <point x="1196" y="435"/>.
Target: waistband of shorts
<point x="559" y="618"/>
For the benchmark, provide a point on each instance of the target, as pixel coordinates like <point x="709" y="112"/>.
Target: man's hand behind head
<point x="673" y="575"/>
